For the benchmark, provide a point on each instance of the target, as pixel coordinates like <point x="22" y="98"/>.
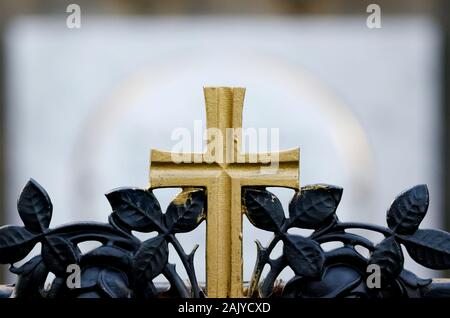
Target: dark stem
<point x="104" y="233"/>
<point x="346" y="238"/>
<point x="276" y="266"/>
<point x="355" y="225"/>
<point x="325" y="229"/>
<point x="175" y="280"/>
<point x="188" y="263"/>
<point x="262" y="260"/>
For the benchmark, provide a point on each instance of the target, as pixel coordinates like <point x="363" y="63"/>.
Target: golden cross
<point x="223" y="170"/>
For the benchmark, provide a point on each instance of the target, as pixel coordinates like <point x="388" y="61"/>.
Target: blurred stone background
<point x="80" y="109"/>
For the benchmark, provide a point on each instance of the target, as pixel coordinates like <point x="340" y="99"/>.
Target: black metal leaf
<point x="15" y="243"/>
<point x="263" y="209"/>
<point x="314" y="205"/>
<point x="151" y="258"/>
<point x="337" y="281"/>
<point x="186" y="211"/>
<point x="430" y="248"/>
<point x="28" y="267"/>
<point x="412" y="280"/>
<point x="35" y="208"/>
<point x="111" y="255"/>
<point x="137" y="208"/>
<point x="304" y="256"/>
<point x="408" y="210"/>
<point x="389" y="257"/>
<point x="58" y="253"/>
<point x="31" y="279"/>
<point x="89" y="276"/>
<point x="114" y="283"/>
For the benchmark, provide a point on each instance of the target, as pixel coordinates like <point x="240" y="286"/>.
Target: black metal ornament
<point x="123" y="266"/>
<point x="343" y="271"/>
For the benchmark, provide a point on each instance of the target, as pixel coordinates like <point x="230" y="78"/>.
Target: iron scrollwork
<point x="343" y="271"/>
<point x="123" y="266"/>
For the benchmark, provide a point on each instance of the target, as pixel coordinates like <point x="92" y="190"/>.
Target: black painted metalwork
<point x="343" y="271"/>
<point x="124" y="266"/>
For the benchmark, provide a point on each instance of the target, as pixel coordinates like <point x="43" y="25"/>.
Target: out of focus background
<point x="81" y="108"/>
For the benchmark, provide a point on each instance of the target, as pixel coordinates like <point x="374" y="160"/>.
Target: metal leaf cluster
<point x="342" y="272"/>
<point x="123" y="266"/>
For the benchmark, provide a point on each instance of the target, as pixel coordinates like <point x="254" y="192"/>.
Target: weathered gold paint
<point x="223" y="182"/>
